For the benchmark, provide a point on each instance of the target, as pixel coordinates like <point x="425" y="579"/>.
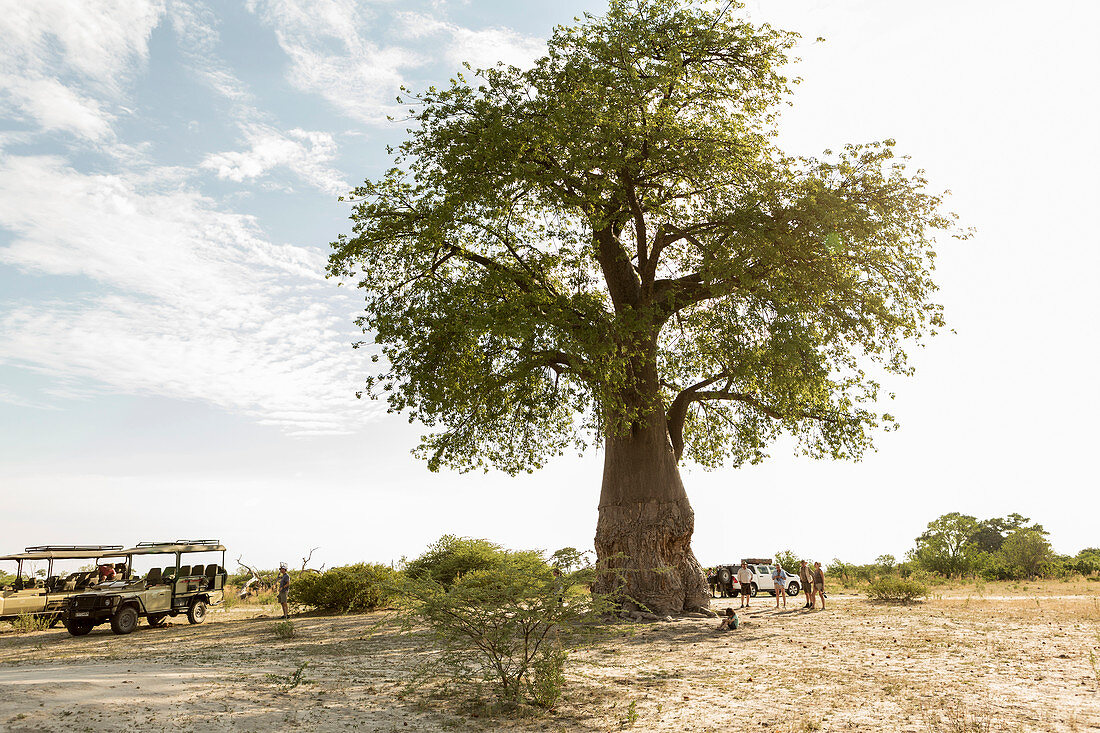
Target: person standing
<point x="819" y="583"/>
<point x="284" y="589"/>
<point x="779" y="582"/>
<point x="744" y="578"/>
<point x="806" y="577"/>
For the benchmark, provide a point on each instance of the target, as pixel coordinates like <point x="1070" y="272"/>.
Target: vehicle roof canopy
<point x="70" y="552"/>
<point x="163" y="548"/>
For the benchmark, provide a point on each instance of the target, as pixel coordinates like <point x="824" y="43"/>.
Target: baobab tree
<point x="609" y="248"/>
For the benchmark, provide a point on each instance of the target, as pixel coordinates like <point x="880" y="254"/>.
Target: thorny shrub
<point x="896" y="590"/>
<point x="359" y="587"/>
<point x="503" y="624"/>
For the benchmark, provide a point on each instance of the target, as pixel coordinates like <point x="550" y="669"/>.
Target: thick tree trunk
<point x="645" y="517"/>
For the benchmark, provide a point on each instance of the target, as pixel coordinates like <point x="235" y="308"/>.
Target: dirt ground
<point x="991" y="659"/>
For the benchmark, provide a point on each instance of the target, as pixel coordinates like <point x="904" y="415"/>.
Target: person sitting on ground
<point x="730" y="622"/>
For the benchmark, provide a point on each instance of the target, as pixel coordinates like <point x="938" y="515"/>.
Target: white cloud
<point x="304" y="152"/>
<point x="64" y="63"/>
<point x="358" y="58"/>
<point x="480" y="48"/>
<point x="195" y="26"/>
<point x="192" y="302"/>
<point x="331" y="54"/>
<point x="55" y="106"/>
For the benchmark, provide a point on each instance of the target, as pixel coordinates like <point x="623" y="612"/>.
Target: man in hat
<point x="283" y="584"/>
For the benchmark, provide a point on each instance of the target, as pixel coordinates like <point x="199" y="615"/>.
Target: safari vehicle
<point x="169" y="591"/>
<point x="45" y="596"/>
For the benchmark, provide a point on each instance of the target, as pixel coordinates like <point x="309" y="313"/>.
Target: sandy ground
<point x="958" y="663"/>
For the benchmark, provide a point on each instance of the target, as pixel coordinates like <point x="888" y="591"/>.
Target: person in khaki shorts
<point x="744" y="577"/>
<point x="283" y="584"/>
<point x="806" y="578"/>
<point x="819" y="583"/>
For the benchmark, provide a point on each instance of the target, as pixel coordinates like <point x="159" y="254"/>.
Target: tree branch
<point x="622" y="280"/>
<point x="672" y="296"/>
<point x="677" y="412"/>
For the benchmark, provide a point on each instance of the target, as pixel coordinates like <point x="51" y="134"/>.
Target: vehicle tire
<point x="724" y="577"/>
<point x="753" y="590"/>
<point x="78" y="628"/>
<point x="156" y="620"/>
<point x="792" y="589"/>
<point x="196" y="613"/>
<point x="125" y="620"/>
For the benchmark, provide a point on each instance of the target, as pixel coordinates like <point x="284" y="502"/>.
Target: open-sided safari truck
<point x="44" y="596"/>
<point x="162" y="592"/>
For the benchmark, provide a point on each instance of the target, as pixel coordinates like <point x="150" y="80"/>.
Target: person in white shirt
<point x="744" y="577"/>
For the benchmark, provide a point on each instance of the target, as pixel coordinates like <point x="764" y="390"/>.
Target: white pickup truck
<point x="726" y="576"/>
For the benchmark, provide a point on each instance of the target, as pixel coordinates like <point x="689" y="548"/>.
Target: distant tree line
<point x="958" y="545"/>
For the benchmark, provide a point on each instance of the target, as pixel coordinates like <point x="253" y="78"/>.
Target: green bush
<point x="450" y="557"/>
<point x="996" y="569"/>
<point x="790" y="561"/>
<point x="896" y="590"/>
<point x="284" y="629"/>
<point x="502" y="625"/>
<point x="361" y="587"/>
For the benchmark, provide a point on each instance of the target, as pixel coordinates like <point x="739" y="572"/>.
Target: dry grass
<point x="27" y="623"/>
<point x="960" y="663"/>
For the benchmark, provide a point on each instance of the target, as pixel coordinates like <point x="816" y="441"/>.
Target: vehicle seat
<point x="168" y="573"/>
<point x="185" y="570"/>
<point x="198" y="570"/>
<point x="153" y="578"/>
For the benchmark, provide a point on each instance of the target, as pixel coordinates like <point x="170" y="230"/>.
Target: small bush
<point x="283" y="629"/>
<point x="502" y="625"/>
<point x="27" y="623"/>
<point x="361" y="587"/>
<point x="896" y="590"/>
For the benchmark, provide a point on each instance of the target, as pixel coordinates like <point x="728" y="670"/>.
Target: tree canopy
<point x="956" y="543"/>
<point x="549" y="239"/>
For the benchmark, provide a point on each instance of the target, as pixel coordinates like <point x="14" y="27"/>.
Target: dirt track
<point x="952" y="664"/>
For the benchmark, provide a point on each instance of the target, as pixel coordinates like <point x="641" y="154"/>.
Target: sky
<point x="174" y="364"/>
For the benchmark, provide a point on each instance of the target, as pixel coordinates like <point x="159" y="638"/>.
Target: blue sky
<point x="173" y="361"/>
